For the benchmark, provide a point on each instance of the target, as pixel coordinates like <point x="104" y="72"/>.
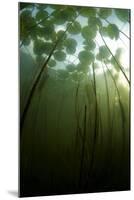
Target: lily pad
<point x="75" y="28"/>
<point x="123" y="14"/>
<point x="59" y="55"/>
<point x="86" y="57"/>
<point x="89" y="32"/>
<point x="105" y="12"/>
<point x="113" y="31"/>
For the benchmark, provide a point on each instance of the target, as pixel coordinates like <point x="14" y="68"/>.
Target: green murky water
<point x="74" y="99"/>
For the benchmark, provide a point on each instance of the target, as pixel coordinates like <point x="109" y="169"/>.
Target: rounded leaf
<point x="70" y="45"/>
<point x="94" y="21"/>
<point x="59" y="55"/>
<point x="41" y="14"/>
<point x="52" y="63"/>
<point x="123" y="14"/>
<point x="75" y="28"/>
<point x="105" y="12"/>
<point x="112" y="31"/>
<point x="39" y="47"/>
<point x="86" y="57"/>
<point x="103" y="53"/>
<point x="88" y="12"/>
<point x="89" y="45"/>
<point x="89" y="32"/>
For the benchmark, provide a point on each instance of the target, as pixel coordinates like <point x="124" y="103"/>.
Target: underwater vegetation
<point x="74" y="99"/>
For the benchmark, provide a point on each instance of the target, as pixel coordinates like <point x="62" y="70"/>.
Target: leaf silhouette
<point x="89" y="45"/>
<point x="70" y="45"/>
<point x="86" y="57"/>
<point x="41" y="14"/>
<point x="59" y="55"/>
<point x="122" y="14"/>
<point x="88" y="12"/>
<point x="103" y="53"/>
<point x="89" y="32"/>
<point x="75" y="28"/>
<point x="94" y="22"/>
<point x="52" y="63"/>
<point x="113" y="31"/>
<point x="105" y="12"/>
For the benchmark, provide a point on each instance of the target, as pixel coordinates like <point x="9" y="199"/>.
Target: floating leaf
<point x="48" y="47"/>
<point x="113" y="31"/>
<point x="75" y="28"/>
<point x="104" y="31"/>
<point x="89" y="32"/>
<point x="70" y="45"/>
<point x="104" y="12"/>
<point x="103" y="53"/>
<point x="89" y="45"/>
<point x="64" y="15"/>
<point x="52" y="63"/>
<point x="26" y="22"/>
<point x="61" y="33"/>
<point x="88" y="12"/>
<point x="41" y="14"/>
<point x="94" y="21"/>
<point x="39" y="47"/>
<point x="59" y="55"/>
<point x="86" y="57"/>
<point x="123" y="14"/>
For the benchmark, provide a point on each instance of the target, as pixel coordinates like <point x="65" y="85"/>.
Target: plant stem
<point x="115" y="59"/>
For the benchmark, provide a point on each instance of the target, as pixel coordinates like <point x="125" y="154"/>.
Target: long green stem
<point x="119" y="30"/>
<point x="121" y="106"/>
<point x="83" y="148"/>
<point x="115" y="59"/>
<point x="38" y="76"/>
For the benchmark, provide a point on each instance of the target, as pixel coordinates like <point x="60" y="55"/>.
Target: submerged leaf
<point x="59" y="55"/>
